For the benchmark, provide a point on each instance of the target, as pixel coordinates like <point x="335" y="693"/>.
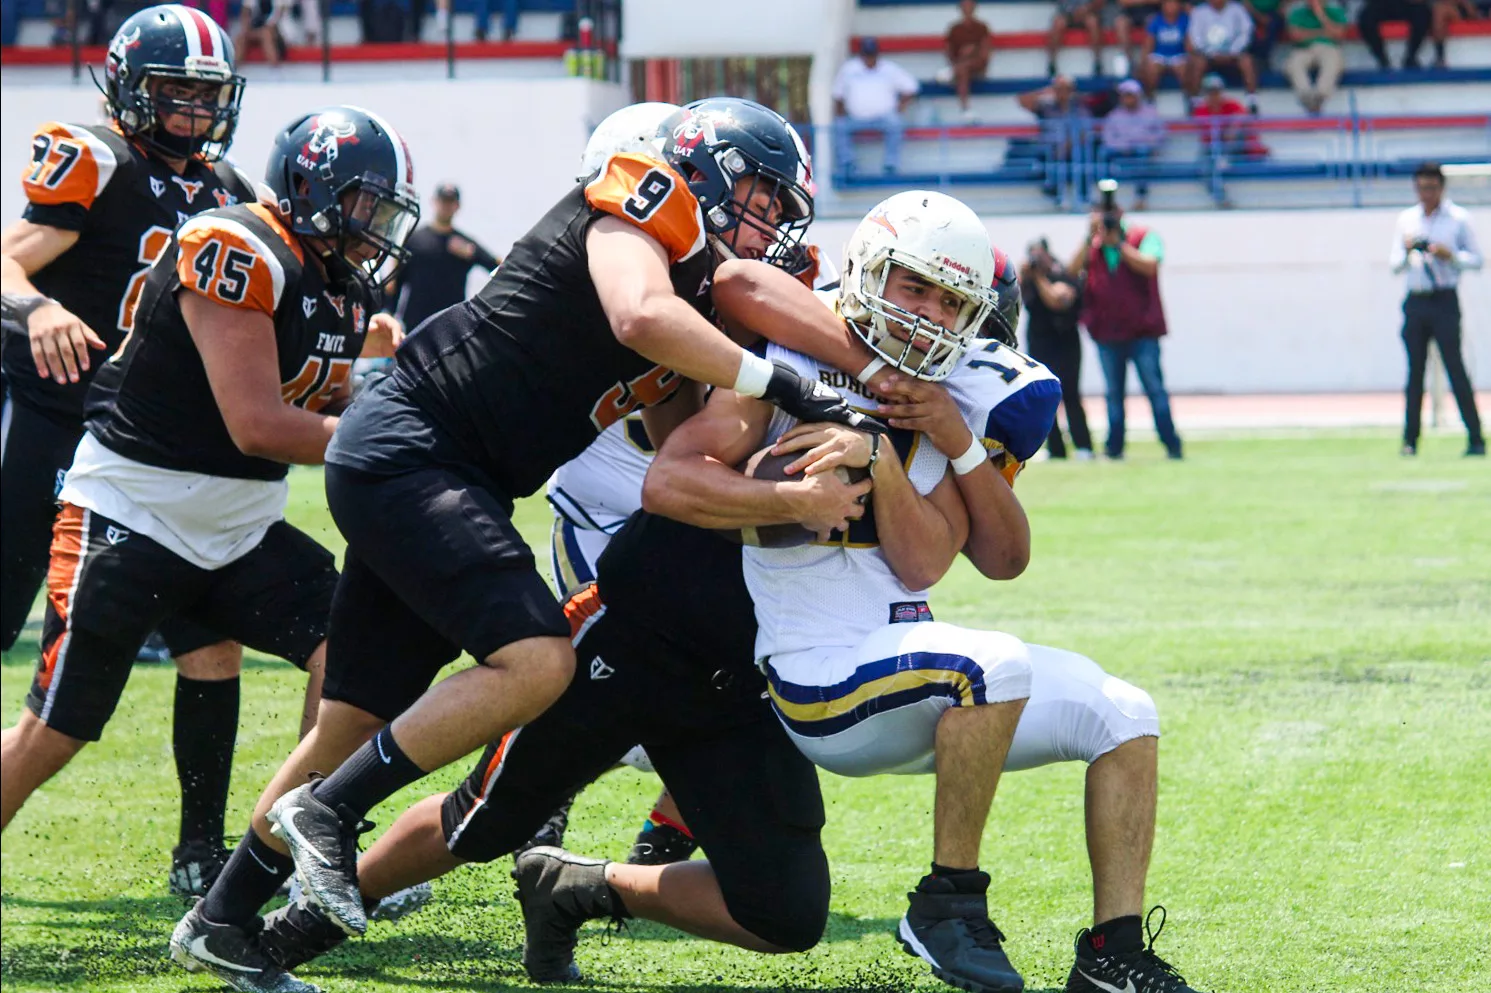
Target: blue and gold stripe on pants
<point x="876" y="688"/>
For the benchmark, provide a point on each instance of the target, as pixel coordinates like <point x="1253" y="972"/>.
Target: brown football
<point x="764" y="465"/>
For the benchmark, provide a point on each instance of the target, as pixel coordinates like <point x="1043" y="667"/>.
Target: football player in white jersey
<point x="861" y="676"/>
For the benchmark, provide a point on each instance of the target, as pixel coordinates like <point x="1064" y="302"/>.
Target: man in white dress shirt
<point x="1435" y="243"/>
<point x="870" y="93"/>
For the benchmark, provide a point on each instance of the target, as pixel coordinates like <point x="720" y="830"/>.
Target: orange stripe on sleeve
<point x="649" y="194"/>
<point x="582" y="606"/>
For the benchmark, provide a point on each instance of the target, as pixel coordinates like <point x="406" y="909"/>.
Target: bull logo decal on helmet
<point x="693" y="129"/>
<point x="119" y="51"/>
<point x="327" y="134"/>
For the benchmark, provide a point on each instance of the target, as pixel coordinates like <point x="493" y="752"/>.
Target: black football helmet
<point x="176" y="44"/>
<point x="1005" y="320"/>
<point x="342" y="176"/>
<point x="715" y="143"/>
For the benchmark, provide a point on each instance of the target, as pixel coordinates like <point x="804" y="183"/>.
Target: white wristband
<point x="868" y="372"/>
<point x="970" y="460"/>
<point x="755" y="373"/>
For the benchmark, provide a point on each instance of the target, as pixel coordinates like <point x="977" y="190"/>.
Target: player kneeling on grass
<point x="860" y="696"/>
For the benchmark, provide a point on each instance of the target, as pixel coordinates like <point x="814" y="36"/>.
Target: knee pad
<point x="1122" y="713"/>
<point x="790" y="908"/>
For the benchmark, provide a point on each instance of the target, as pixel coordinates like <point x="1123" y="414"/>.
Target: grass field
<point x="1312" y="614"/>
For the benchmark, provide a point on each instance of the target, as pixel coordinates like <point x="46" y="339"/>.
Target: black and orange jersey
<point x="152" y="401"/>
<point x="529" y="372"/>
<point x="124" y="204"/>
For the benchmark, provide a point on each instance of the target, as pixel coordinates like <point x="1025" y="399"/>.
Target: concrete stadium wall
<point x="1258" y="301"/>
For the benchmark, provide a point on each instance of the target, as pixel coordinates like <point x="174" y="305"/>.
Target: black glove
<point x="812" y="402"/>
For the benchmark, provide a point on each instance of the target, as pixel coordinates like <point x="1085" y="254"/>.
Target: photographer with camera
<point x="1434" y="243"/>
<point x="1053" y="299"/>
<point x="1122" y="311"/>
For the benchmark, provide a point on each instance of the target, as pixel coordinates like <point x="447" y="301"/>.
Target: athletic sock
<point x="372" y="774"/>
<point x="1118" y="936"/>
<point x="658" y="819"/>
<point x="962" y="880"/>
<point x="252" y="876"/>
<point x="204" y="730"/>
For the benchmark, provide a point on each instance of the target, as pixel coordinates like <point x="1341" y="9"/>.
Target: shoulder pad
<point x="229" y="256"/>
<point x="649" y="194"/>
<point x="70" y="164"/>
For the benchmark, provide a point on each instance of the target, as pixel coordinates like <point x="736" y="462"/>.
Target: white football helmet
<point x="630" y="129"/>
<point x="939" y="239"/>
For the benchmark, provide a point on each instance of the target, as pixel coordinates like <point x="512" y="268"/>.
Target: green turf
<point x="1312" y="613"/>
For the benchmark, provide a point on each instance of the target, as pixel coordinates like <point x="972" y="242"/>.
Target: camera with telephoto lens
<point x="1109" y="190"/>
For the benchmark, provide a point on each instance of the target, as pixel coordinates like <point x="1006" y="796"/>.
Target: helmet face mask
<point x="371" y="226"/>
<point x="171" y="48"/>
<point x="911" y="240"/>
<point x="750" y="173"/>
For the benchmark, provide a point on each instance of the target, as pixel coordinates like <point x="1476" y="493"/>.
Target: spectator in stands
<point x="1165" y="48"/>
<point x="1416" y="12"/>
<point x="1086" y="14"/>
<point x="1217" y="40"/>
<point x="259" y="26"/>
<point x="870" y="93"/>
<point x="968" y="49"/>
<point x="1053" y="299"/>
<point x="1132" y="132"/>
<point x="1316" y="35"/>
<point x="1268" y="28"/>
<point x="1229" y="132"/>
<point x="440" y="259"/>
<point x="1129" y="25"/>
<point x="1446" y="13"/>
<point x="1434" y="243"/>
<point x="1122" y="311"/>
<point x="1063" y="115"/>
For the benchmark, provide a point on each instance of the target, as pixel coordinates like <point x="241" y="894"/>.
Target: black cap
<point x="448" y="191"/>
<point x="869" y="46"/>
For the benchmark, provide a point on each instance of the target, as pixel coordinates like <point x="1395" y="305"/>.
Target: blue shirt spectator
<point x="1168" y="29"/>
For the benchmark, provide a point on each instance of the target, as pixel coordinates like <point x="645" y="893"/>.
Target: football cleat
<point x="397" y="906"/>
<point x="230" y="954"/>
<point x="195" y="866"/>
<point x="1140" y="971"/>
<point x="394" y="907"/>
<point x="323" y="843"/>
<point x="558" y="892"/>
<point x="661" y="844"/>
<point x="298" y="932"/>
<point x="950" y="930"/>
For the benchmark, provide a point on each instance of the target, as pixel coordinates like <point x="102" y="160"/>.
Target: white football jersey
<point x="602" y="486"/>
<point x="835" y="594"/>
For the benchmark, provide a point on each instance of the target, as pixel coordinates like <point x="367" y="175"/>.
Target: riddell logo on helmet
<point x="328" y="131"/>
<point x="955" y="265"/>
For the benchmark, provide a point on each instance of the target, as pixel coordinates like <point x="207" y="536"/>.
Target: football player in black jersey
<point x="102" y="203"/>
<point x="601" y="309"/>
<point x="235" y="368"/>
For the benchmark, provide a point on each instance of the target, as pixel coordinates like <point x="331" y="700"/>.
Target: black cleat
<point x="661" y="844"/>
<point x="949" y="929"/>
<point x="231" y="954"/>
<point x="195" y="866"/>
<point x="559" y="891"/>
<point x="1139" y="971"/>
<point x="299" y="932"/>
<point x="551" y="835"/>
<point x="323" y="843"/>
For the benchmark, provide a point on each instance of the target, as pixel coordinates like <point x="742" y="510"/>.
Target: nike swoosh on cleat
<point x="1127" y="987"/>
<point x="198" y="949"/>
<point x="287" y="821"/>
